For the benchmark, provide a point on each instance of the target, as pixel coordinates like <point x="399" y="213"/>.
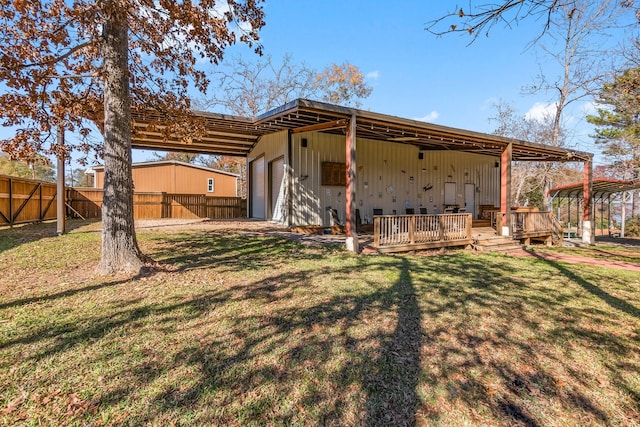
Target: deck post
<point x="350" y="196"/>
<point x="60" y="192"/>
<point x="412" y="229"/>
<point x="587" y="233"/>
<point x="505" y="189"/>
<point x="376" y="231"/>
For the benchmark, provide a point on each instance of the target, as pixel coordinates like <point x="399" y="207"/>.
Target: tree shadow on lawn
<point x="11" y="237"/>
<point x="406" y="342"/>
<point x="567" y="270"/>
<point x="233" y="251"/>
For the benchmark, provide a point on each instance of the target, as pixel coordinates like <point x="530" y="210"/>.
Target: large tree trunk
<point x="120" y="252"/>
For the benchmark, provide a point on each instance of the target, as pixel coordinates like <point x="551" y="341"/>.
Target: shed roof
<point x="175" y="162"/>
<point x="601" y="188"/>
<point x="236" y="136"/>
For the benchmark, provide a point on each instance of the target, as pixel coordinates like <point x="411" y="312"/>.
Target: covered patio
<point x="292" y="147"/>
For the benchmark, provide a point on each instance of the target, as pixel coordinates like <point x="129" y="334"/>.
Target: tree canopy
<point x="618" y="126"/>
<point x="251" y="87"/>
<point x="67" y="64"/>
<point x="40" y="169"/>
<point x="480" y="18"/>
<point x="53" y="70"/>
<point x="618" y="122"/>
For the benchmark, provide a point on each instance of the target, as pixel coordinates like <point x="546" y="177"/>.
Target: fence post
<point x="10" y="202"/>
<point x="376" y="232"/>
<point x="60" y="208"/>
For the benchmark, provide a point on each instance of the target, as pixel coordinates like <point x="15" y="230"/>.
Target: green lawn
<point x="240" y="330"/>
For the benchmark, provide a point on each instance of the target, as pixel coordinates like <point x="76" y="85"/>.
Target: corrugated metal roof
<point x="601" y="188"/>
<point x="236" y="136"/>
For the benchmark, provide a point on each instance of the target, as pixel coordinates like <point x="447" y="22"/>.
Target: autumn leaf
<point x="13" y="405"/>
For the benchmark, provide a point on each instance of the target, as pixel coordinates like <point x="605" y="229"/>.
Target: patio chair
<point x="377" y="212"/>
<point x="335" y="219"/>
<point x="410" y="211"/>
<point x="423" y="211"/>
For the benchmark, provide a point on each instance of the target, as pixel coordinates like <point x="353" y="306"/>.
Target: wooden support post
<point x="412" y="229"/>
<point x="588" y="235"/>
<point x="623" y="213"/>
<point x="60" y="191"/>
<point x="10" y="219"/>
<point x="376" y="231"/>
<point x="505" y="189"/>
<point x="609" y="226"/>
<point x="350" y="196"/>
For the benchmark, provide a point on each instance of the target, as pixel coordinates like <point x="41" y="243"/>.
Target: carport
<point x="605" y="192"/>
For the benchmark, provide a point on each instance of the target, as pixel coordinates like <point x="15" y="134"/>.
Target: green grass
<point x="600" y="251"/>
<point x="241" y="330"/>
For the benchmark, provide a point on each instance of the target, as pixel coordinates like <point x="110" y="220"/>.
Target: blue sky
<point x="414" y="74"/>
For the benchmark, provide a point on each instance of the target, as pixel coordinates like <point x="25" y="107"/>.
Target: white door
<point x="277" y="190"/>
<point x="257" y="188"/>
<point x="450" y="193"/>
<point x="470" y="199"/>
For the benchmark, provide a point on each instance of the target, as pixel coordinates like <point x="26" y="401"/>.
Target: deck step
<point x="481" y="223"/>
<point x="497" y="244"/>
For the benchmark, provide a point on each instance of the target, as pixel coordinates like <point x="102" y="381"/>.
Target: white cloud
<point x="373" y="75"/>
<point x="490" y="103"/>
<point x="541" y="111"/>
<point x="431" y="117"/>
<point x="589" y="108"/>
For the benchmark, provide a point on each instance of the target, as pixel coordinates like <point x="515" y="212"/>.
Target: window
<point x="210" y="186"/>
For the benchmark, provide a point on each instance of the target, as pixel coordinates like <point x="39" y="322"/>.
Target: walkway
<point x="574" y="259"/>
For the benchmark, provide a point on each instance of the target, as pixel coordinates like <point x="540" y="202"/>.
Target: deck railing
<point x="408" y="232"/>
<point x="525" y="224"/>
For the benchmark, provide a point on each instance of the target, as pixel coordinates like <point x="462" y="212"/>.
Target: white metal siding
<point x="257" y="188"/>
<point x="277" y="193"/>
<point x="389" y="176"/>
<point x="269" y="147"/>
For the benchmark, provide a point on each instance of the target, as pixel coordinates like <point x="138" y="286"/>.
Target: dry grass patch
<point x="246" y="330"/>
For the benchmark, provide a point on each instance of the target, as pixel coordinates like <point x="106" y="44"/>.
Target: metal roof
<point x="236" y="136"/>
<point x="173" y="162"/>
<point x="601" y="188"/>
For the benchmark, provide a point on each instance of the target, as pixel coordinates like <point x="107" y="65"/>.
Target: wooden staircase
<point x="486" y="240"/>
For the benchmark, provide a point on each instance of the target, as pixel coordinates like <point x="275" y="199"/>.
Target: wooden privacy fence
<point x="25" y="200"/>
<point x="87" y="202"/>
<point x="394" y="233"/>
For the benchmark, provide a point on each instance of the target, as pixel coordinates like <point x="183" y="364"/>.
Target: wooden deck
<point x="399" y="233"/>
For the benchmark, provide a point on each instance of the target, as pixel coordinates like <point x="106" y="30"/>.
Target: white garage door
<point x="257" y="188"/>
<point x="277" y="190"/>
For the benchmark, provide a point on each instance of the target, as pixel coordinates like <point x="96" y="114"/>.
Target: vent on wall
<point x="420" y="156"/>
<point x="304" y="142"/>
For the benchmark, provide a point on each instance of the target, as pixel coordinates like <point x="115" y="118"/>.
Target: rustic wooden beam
<point x="60" y="192"/>
<point x="27" y="199"/>
<point x="505" y="189"/>
<point x="350" y="190"/>
<point x="423" y="246"/>
<point x="588" y="235"/>
<point x="10" y="219"/>
<point x="336" y="124"/>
